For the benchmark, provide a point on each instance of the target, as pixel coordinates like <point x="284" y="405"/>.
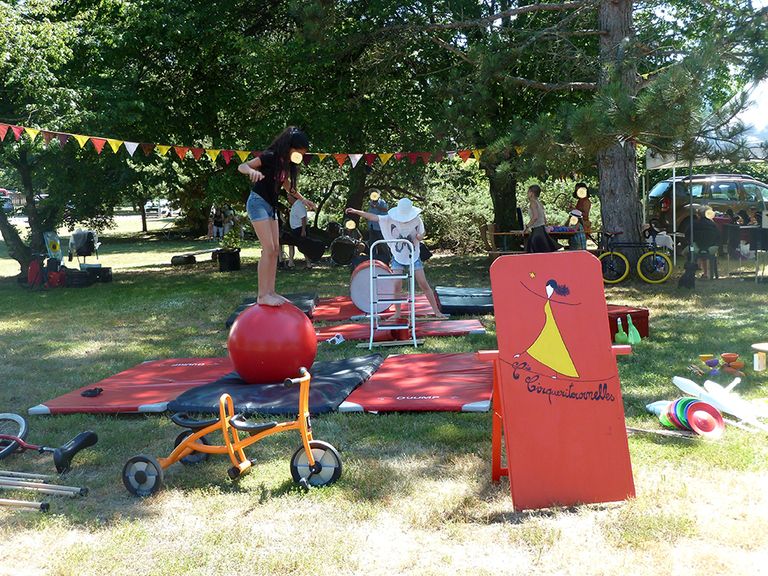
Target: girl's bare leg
<point x="421" y="279"/>
<point x="266" y="231"/>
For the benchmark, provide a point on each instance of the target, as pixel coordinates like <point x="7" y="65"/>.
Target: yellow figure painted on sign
<point x="549" y="348"/>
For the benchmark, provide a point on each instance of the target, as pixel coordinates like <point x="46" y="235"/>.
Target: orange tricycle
<point x="315" y="463"/>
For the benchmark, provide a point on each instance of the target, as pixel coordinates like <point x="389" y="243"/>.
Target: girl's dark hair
<point x="560" y="289"/>
<point x="580" y="185"/>
<point x="281" y="146"/>
<point x="536" y="189"/>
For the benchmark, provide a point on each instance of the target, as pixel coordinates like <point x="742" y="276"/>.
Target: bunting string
<point x="51" y="137"/>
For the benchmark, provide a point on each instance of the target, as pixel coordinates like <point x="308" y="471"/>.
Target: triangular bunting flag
<point x="17" y="131"/>
<point x="227" y="154"/>
<point x="114" y="144"/>
<point x="370" y="159"/>
<point x="519" y="149"/>
<point x="354" y="159"/>
<point x="384" y="158"/>
<point x="438" y="156"/>
<point x="425" y="156"/>
<point x="181" y="151"/>
<point x="98" y="143"/>
<point x="340" y="158"/>
<point x="47" y="137"/>
<point x="32" y="133"/>
<point x="63" y="138"/>
<point x="399" y="155"/>
<point x="131" y="147"/>
<point x="412" y="156"/>
<point x="147" y="148"/>
<point x="242" y="154"/>
<point x="81" y="139"/>
<point x="3" y="131"/>
<point x="162" y="149"/>
<point x="322" y="157"/>
<point x="256" y="153"/>
<point x="307" y="159"/>
<point x="477" y="153"/>
<point x="212" y="154"/>
<point x="465" y="154"/>
<point x="197" y="153"/>
<point x="451" y="154"/>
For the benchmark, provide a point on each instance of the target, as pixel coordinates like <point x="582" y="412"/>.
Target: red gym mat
<point x="425" y="382"/>
<point x="147" y="387"/>
<point x="362" y="331"/>
<point x="341" y="308"/>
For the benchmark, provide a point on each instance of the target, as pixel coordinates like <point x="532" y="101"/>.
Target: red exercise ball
<point x="268" y="344"/>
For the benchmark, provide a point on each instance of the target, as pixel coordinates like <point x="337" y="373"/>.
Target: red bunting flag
<point x="227" y="154"/>
<point x="399" y="155"/>
<point x="412" y="156"/>
<point x="181" y="151"/>
<point x="438" y="156"/>
<point x="340" y="158"/>
<point x="197" y="153"/>
<point x="98" y="143"/>
<point x="3" y="131"/>
<point x="147" y="148"/>
<point x="425" y="156"/>
<point x="17" y="131"/>
<point x="370" y="159"/>
<point x="465" y="154"/>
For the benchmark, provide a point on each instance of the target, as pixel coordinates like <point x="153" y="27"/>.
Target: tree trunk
<point x="16" y="247"/>
<point x="356" y="194"/>
<point x="503" y="189"/>
<point x="617" y="163"/>
<point x="143" y="212"/>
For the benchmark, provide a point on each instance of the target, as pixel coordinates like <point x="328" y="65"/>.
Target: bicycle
<point x="654" y="265"/>
<point x="315" y="463"/>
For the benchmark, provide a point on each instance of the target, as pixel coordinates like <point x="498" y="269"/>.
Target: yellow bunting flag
<point x="477" y="153"/>
<point x="385" y="157"/>
<point x="32" y="133"/>
<point x="242" y="154"/>
<point x="162" y="149"/>
<point x="114" y="144"/>
<point x="212" y="154"/>
<point x="81" y="139"/>
<point x="322" y="157"/>
<point x="519" y="149"/>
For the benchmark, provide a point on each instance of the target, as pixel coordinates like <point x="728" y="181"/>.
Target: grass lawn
<point x="416" y="495"/>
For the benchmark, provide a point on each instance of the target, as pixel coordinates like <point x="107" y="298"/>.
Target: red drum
<point x="360" y="286"/>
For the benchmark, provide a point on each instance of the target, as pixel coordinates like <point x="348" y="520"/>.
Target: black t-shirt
<point x="705" y="233"/>
<point x="266" y="186"/>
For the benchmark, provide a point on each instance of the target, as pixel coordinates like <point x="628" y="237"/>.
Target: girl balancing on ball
<point x="275" y="170"/>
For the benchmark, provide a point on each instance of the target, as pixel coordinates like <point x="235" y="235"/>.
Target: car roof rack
<point x="712" y="176"/>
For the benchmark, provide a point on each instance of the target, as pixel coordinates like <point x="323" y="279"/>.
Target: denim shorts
<point x="259" y="209"/>
<point x="397" y="267"/>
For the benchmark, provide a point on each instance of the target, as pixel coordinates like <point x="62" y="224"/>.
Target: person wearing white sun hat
<point x="404" y="222"/>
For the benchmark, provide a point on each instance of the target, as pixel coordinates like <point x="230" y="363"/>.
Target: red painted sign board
<point x="560" y="396"/>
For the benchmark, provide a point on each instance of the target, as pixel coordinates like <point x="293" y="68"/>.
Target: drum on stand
<point x="360" y="286"/>
<point x="343" y="249"/>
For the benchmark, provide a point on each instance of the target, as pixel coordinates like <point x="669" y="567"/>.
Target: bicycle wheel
<point x="11" y="425"/>
<point x="654" y="267"/>
<point x="615" y="267"/>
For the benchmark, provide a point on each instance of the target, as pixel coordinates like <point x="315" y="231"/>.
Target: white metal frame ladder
<point x="375" y="275"/>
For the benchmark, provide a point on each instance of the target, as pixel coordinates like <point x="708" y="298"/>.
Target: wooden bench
<point x="496" y="243"/>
